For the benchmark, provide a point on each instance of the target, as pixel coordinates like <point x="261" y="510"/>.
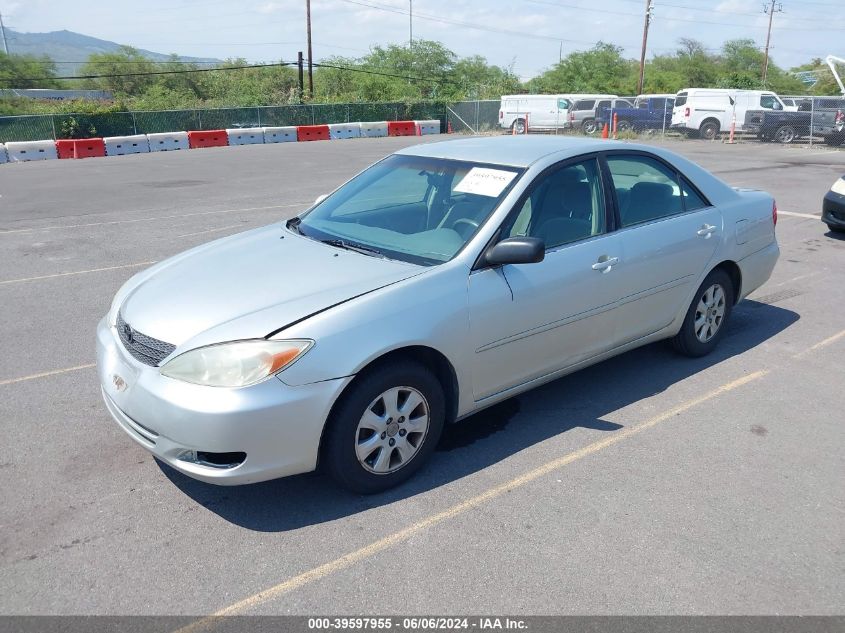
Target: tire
<point x="624" y="126"/>
<point x="361" y="459"/>
<point x="589" y="126"/>
<point x="518" y="126"/>
<point x="785" y="134"/>
<point x="834" y="140"/>
<point x="691" y="133"/>
<point x="689" y="340"/>
<point x="709" y="130"/>
<point x="835" y="229"/>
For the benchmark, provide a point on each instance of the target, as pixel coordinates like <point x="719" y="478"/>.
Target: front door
<point x="529" y="320"/>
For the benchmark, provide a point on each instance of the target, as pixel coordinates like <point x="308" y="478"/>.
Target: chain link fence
<point x="78" y="125"/>
<point x="813" y="120"/>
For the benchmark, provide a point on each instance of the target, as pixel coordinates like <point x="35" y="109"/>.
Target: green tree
<point x="27" y="71"/>
<point x="600" y="69"/>
<point x="124" y="69"/>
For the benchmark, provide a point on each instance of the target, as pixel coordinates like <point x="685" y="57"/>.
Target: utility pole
<point x="3" y="31"/>
<point x="641" y="81"/>
<point x="310" y="55"/>
<point x="411" y="23"/>
<point x="301" y="82"/>
<point x="771" y="11"/>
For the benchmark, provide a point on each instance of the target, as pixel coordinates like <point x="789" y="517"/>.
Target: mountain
<point x="67" y="46"/>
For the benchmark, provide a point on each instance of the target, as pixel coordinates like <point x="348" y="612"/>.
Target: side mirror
<point x="320" y="198"/>
<point x="516" y="250"/>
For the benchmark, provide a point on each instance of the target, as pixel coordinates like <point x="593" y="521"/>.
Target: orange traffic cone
<point x="449" y="126"/>
<point x="605" y="132"/>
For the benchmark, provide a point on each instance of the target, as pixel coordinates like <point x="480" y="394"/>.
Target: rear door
<point x="669" y="234"/>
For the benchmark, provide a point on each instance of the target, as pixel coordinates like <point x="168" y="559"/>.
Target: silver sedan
<point x="443" y="279"/>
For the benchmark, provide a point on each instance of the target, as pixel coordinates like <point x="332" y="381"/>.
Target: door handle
<point x="605" y="263"/>
<point x="706" y="230"/>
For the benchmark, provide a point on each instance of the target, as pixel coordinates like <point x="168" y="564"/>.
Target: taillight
<point x="840" y="117"/>
<point x="687" y="112"/>
<point x="501" y="115"/>
<point x="572" y="116"/>
<point x="774" y="213"/>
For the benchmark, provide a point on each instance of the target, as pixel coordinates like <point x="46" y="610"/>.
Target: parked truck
<point x="823" y="117"/>
<point x="649" y="112"/>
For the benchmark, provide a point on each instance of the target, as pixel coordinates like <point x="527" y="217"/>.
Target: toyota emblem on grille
<point x="127" y="331"/>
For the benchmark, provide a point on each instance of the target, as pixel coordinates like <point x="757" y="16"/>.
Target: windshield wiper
<point x="358" y="248"/>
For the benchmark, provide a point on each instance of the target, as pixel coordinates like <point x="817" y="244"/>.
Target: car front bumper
<point x="833" y="210"/>
<point x="276" y="426"/>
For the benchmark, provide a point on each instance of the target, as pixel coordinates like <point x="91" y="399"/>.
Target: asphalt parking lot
<point x="648" y="484"/>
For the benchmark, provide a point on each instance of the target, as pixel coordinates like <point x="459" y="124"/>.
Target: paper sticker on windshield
<point x="485" y="182"/>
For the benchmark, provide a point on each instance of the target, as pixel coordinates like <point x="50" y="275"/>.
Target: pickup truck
<point x="825" y="115"/>
<point x="650" y="112"/>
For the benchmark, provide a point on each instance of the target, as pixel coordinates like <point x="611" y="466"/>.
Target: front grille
<point x="143" y="348"/>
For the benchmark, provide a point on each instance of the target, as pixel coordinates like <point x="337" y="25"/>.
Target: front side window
<point x="563" y="206"/>
<point x="411" y="208"/>
<point x="645" y="188"/>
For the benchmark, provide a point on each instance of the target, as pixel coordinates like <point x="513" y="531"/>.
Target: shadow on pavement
<point x="581" y="400"/>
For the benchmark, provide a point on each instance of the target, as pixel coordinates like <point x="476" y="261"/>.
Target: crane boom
<point x="830" y="59"/>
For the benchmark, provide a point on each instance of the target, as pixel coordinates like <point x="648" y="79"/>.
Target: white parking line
<point x="793" y="214"/>
<point x="223" y="228"/>
<point x="160" y="217"/>
<point x="75" y="272"/>
<point x="45" y="374"/>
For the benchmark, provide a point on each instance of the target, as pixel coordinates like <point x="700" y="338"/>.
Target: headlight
<point x="235" y="364"/>
<point x="839" y="186"/>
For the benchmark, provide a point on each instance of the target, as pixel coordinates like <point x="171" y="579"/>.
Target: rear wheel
<point x="589" y="126"/>
<point x="785" y="134"/>
<point x="708" y="313"/>
<point x="709" y="130"/>
<point x="518" y="126"/>
<point x="384" y="427"/>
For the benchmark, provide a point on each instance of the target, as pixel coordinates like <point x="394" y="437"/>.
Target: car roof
<point x="514" y="151"/>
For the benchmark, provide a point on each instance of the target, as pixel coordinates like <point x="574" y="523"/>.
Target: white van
<point x="542" y="112"/>
<point x="707" y="112"/>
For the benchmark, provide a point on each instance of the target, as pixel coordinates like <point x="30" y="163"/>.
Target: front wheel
<point x="708" y="313"/>
<point x="385" y="427"/>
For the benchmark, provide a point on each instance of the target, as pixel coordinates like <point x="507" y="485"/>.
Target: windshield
<point x="410" y="208"/>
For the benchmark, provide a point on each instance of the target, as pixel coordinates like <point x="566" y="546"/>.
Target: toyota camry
<point x="443" y="279"/>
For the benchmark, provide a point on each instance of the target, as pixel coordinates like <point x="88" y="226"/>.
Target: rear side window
<point x="692" y="200"/>
<point x="587" y="104"/>
<point x="645" y="188"/>
<point x="604" y="104"/>
<point x="681" y="99"/>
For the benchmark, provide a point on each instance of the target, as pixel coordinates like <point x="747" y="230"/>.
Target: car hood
<point x="249" y="285"/>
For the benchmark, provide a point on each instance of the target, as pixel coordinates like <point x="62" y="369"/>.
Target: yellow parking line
<point x="75" y="272"/>
<point x="45" y="374"/>
<point x="820" y="344"/>
<point x="370" y="550"/>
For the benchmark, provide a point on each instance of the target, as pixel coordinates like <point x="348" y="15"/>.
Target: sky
<point x="525" y="35"/>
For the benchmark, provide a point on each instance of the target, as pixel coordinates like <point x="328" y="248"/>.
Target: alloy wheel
<point x="709" y="313"/>
<point x="392" y="430"/>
